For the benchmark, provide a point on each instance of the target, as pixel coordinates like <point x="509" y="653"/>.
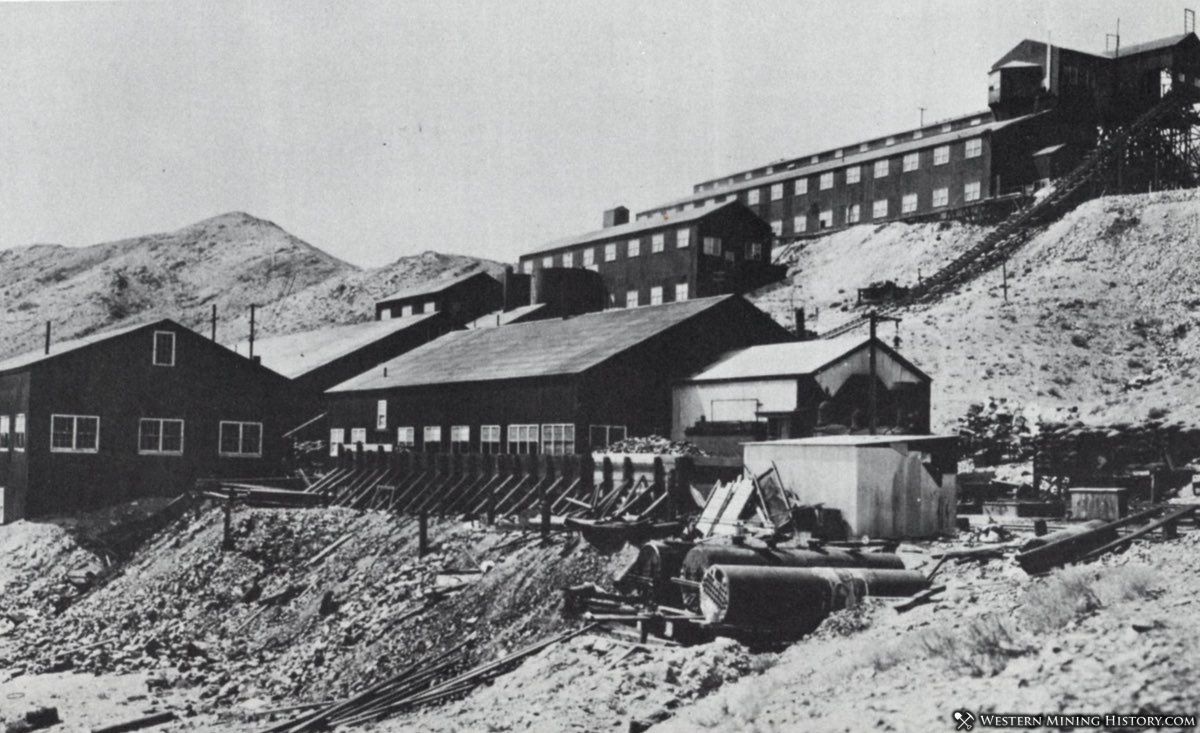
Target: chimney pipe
<point x="800" y="325"/>
<point x="47" y="337"/>
<point x="252" y="309"/>
<point x="214" y="322"/>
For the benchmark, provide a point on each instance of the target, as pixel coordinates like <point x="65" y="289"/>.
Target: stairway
<point x="1014" y="231"/>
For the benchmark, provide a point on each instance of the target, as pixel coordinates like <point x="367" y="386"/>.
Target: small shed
<point x="461" y="297"/>
<point x="886" y="486"/>
<point x="784" y="386"/>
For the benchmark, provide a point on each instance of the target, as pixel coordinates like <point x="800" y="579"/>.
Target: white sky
<point x="376" y="130"/>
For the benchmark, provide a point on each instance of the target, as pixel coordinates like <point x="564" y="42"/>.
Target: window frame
<point x="683" y="238"/>
<point x="753" y="197"/>
<point x="337" y="436"/>
<point x="777" y="227"/>
<point x="825" y="182"/>
<point x="909" y="198"/>
<point x="460" y="443"/>
<point x="972" y="191"/>
<point x="548" y="261"/>
<point x="411" y="431"/>
<point x="568" y="259"/>
<point x="884" y="165"/>
<point x="525" y="430"/>
<point x="484" y="432"/>
<point x="589" y="257"/>
<point x="941" y="155"/>
<point x="910" y="162"/>
<point x="776" y="191"/>
<point x="658" y="243"/>
<point x="154" y="349"/>
<point x="241" y="425"/>
<point x="610" y="252"/>
<point x="636" y="297"/>
<point x="5" y="432"/>
<point x="856" y="170"/>
<point x="653" y="288"/>
<point x="945" y="196"/>
<point x="799" y="223"/>
<point x="381" y="410"/>
<point x="162" y="421"/>
<point x="875" y="205"/>
<point x="19" y="430"/>
<point x="74" y="434"/>
<point x="633" y="248"/>
<point x="554" y="435"/>
<point x="684" y="286"/>
<point x="853" y="213"/>
<point x="800" y="187"/>
<point x="975" y="143"/>
<point x="354" y="433"/>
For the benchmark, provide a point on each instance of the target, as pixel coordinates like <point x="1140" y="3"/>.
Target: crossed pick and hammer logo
<point x="965" y="720"/>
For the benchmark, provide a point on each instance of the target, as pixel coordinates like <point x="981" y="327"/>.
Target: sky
<point x="378" y="130"/>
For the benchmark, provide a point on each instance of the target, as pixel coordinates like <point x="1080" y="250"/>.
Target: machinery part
<point x="794" y="600"/>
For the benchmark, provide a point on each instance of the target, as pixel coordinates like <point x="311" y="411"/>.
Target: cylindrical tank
<point x="701" y="557"/>
<point x="794" y="599"/>
<point x="650" y="574"/>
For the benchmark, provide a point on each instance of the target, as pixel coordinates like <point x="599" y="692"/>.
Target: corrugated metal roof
<point x="296" y="354"/>
<point x="634" y="227"/>
<point x="560" y="346"/>
<point x="431" y="287"/>
<point x="503" y="318"/>
<point x="779" y="360"/>
<point x="62" y="347"/>
<point x="857" y="158"/>
<point x="1154" y="45"/>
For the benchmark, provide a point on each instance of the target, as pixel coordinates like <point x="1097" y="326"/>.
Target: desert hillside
<point x="231" y="260"/>
<point x="1099" y="319"/>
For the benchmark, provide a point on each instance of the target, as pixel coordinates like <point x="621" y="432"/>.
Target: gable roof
<point x="296" y="354"/>
<point x="59" y="348"/>
<point x="637" y="226"/>
<point x="855" y="158"/>
<point x="789" y="359"/>
<point x="561" y="346"/>
<point x="432" y="287"/>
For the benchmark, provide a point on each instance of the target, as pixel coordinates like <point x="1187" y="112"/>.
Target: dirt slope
<point x="231" y="260"/>
<point x="1101" y="312"/>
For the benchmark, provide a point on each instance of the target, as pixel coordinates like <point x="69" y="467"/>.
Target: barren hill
<point x="231" y="260"/>
<point x="1099" y="322"/>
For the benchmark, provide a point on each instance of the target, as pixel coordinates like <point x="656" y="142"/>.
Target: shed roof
<point x="432" y="287"/>
<point x="57" y="349"/>
<point x="789" y="359"/>
<point x="1156" y="44"/>
<point x="561" y="346"/>
<point x="635" y="227"/>
<point x="504" y="318"/>
<point x="296" y="354"/>
<point x="856" y="158"/>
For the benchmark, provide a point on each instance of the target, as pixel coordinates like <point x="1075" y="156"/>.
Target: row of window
<point x="711" y="246"/>
<point x="522" y="439"/>
<point x="880" y="208"/>
<point x="156" y="436"/>
<point x="407" y="310"/>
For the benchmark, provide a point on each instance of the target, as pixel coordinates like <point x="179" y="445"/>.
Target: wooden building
<point x="138" y="411"/>
<point x="555" y="386"/>
<point x="1044" y="100"/>
<point x="702" y="252"/>
<point x="790" y="390"/>
<point x="459" y="298"/>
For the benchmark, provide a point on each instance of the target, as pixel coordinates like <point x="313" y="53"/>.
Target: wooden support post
<point x="606" y="482"/>
<point x="227" y="543"/>
<point x="544" y="498"/>
<point x="502" y="466"/>
<point x="1170" y="530"/>
<point x="681" y="485"/>
<point x="423" y="534"/>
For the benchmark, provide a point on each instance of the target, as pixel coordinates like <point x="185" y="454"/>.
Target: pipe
<point x="794" y="599"/>
<point x="47" y="337"/>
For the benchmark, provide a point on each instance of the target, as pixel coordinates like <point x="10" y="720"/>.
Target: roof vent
<point x="616" y="217"/>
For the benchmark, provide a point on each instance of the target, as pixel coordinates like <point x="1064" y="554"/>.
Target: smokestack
<point x="47" y="337"/>
<point x="616" y="217"/>
<point x="214" y="322"/>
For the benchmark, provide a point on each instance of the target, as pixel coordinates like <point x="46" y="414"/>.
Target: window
<point x="973" y="147"/>
<point x="801" y="186"/>
<point x="826" y="181"/>
<point x="244" y="439"/>
<point x="879" y="209"/>
<point x="489" y="439"/>
<point x="971" y="191"/>
<point x="799" y="224"/>
<point x="890" y="141"/>
<point x="752" y="196"/>
<point x="946" y="127"/>
<point x="158" y="436"/>
<point x="406" y="436"/>
<point x="853" y="213"/>
<point x="656" y="242"/>
<point x="776" y="191"/>
<point x="941" y="155"/>
<point x="941" y="196"/>
<point x="681" y="292"/>
<point x="730" y="256"/>
<point x="522" y="439"/>
<point x="853" y="174"/>
<point x="975" y="121"/>
<point x="631" y="299"/>
<point x="610" y="252"/>
<point x="527" y="266"/>
<point x="683" y="237"/>
<point x="406" y="310"/>
<point x="712" y="246"/>
<point x="568" y="259"/>
<point x="837" y="153"/>
<point x="908" y="203"/>
<point x="754" y="251"/>
<point x="74" y="433"/>
<point x="337" y="436"/>
<point x="385" y="314"/>
<point x="602" y="436"/>
<point x="358" y="435"/>
<point x="381" y="415"/>
<point x="918" y="135"/>
<point x="635" y="248"/>
<point x="558" y="439"/>
<point x="460" y="438"/>
<point x="816" y="158"/>
<point x="881" y="168"/>
<point x="589" y="257"/>
<point x="656" y="295"/>
<point x="826" y="218"/>
<point x="18" y="439"/>
<point x="912" y="161"/>
<point x="164" y="348"/>
<point x="777" y="227"/>
<point x="430" y="307"/>
<point x="548" y="261"/>
<point x="433" y="438"/>
<point x="5" y="432"/>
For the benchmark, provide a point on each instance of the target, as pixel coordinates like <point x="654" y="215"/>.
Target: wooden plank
<point x="1140" y="532"/>
<point x="717" y="499"/>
